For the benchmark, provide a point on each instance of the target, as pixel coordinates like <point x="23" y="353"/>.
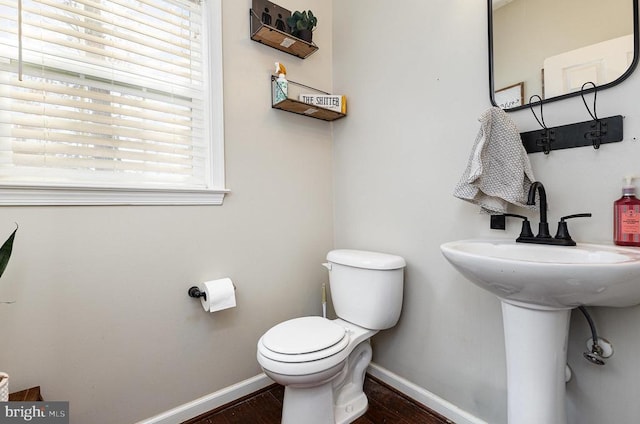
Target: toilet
<point x="321" y="362"/>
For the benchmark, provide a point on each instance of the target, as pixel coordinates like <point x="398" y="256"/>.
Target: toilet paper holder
<point x="195" y="292"/>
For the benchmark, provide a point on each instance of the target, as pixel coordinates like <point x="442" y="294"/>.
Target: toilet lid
<point x="303" y="335"/>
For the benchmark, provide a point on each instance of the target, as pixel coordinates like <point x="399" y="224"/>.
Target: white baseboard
<point x="211" y="401"/>
<point x="423" y="396"/>
<point x="229" y="394"/>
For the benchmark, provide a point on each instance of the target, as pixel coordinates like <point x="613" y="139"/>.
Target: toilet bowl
<point x="321" y="362"/>
<point x="313" y="379"/>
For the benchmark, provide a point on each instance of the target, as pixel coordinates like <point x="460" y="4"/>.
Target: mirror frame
<point x="624" y="76"/>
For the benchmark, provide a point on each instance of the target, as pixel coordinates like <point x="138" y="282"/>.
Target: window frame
<point x="50" y="195"/>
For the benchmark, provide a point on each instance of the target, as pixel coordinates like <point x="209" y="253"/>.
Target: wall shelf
<point x="302" y="108"/>
<point x="276" y="36"/>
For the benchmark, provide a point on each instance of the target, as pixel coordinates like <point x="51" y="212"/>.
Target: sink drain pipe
<point x="595" y="355"/>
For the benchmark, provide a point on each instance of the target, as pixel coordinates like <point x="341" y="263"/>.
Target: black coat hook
<point x="546" y="135"/>
<point x="588" y="133"/>
<point x="598" y="128"/>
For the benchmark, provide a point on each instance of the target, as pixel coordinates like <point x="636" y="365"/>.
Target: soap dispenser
<point x="626" y="216"/>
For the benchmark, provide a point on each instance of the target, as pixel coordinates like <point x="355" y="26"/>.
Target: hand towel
<point x="498" y="172"/>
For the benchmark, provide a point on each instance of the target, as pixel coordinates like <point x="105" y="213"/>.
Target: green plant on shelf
<point x="302" y="24"/>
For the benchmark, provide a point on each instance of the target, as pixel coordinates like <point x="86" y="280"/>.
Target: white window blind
<point x="108" y="94"/>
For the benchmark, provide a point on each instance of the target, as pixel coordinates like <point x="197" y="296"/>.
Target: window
<point x="111" y="102"/>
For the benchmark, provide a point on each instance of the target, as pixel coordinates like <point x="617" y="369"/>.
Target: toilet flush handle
<point x="327" y="265"/>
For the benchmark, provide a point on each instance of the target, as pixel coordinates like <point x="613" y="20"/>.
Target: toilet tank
<point x="366" y="287"/>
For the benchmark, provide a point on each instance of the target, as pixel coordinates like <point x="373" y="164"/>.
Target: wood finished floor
<point x="265" y="407"/>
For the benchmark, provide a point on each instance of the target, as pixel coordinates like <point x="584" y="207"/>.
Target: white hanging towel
<point x="499" y="172"/>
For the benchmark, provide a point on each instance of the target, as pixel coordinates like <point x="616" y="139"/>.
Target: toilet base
<point x="338" y="401"/>
<point x="311" y="405"/>
<point x="344" y="414"/>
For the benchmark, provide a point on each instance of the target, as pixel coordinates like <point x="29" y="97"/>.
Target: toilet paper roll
<point x="221" y="294"/>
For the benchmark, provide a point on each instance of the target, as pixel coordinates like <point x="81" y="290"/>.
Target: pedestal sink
<point x="538" y="286"/>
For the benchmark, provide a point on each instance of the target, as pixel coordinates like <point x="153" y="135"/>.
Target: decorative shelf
<point x="276" y="36"/>
<point x="302" y="108"/>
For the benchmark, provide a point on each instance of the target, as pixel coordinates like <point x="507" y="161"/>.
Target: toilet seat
<point x="303" y="339"/>
<point x="325" y="363"/>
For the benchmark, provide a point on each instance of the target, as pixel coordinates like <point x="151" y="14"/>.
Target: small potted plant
<point x="302" y="24"/>
<point x="5" y="251"/>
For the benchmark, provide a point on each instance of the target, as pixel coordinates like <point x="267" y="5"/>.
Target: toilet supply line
<point x="324" y="300"/>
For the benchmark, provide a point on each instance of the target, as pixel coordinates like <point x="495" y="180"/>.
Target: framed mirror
<point x="552" y="47"/>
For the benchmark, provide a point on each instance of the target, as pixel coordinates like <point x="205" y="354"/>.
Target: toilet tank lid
<point x="365" y="259"/>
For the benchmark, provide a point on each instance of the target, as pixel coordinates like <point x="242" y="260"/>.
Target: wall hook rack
<point x="598" y="127"/>
<point x="546" y="136"/>
<point x="593" y="133"/>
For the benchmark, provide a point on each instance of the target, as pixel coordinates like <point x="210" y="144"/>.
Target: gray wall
<point x="102" y="318"/>
<point x="416" y="75"/>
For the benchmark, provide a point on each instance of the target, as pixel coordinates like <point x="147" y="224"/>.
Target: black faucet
<point x="543" y="226"/>
<point x="562" y="237"/>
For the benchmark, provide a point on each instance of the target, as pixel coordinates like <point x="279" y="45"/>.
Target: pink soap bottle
<point x="626" y="216"/>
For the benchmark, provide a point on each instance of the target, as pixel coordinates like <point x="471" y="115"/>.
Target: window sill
<point x="85" y="196"/>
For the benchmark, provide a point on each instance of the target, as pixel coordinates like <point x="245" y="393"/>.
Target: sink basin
<point x="538" y="286"/>
<point x="550" y="276"/>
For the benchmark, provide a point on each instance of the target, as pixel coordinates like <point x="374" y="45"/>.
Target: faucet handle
<point x="526" y="225"/>
<point x="576" y="215"/>
<point x="563" y="230"/>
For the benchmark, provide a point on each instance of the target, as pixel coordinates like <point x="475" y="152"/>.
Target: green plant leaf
<point x="5" y="251"/>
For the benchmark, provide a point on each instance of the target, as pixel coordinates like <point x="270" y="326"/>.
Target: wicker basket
<point x="4" y="387"/>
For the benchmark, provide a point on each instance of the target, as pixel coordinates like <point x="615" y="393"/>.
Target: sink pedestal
<point x="539" y="285"/>
<point x="536" y="349"/>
